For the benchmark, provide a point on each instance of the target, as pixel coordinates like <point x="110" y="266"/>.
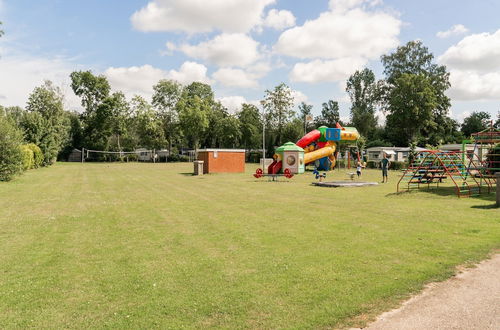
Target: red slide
<point x="274" y="168"/>
<point x="309" y="138"/>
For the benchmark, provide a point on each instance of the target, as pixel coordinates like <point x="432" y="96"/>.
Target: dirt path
<point x="470" y="300"/>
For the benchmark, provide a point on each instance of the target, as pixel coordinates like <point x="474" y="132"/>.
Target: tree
<point x="149" y="128"/>
<point x="93" y="90"/>
<point x="193" y="118"/>
<point x="46" y="124"/>
<point x="251" y="127"/>
<point x="293" y="130"/>
<point x="476" y="122"/>
<point x="330" y="113"/>
<point x="278" y="104"/>
<point x="10" y="152"/>
<point x="165" y="97"/>
<point x="411" y="70"/>
<point x="412" y="101"/>
<point x="1" y="31"/>
<point x="361" y="87"/>
<point x="305" y="111"/>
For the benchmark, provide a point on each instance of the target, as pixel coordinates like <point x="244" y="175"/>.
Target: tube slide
<point x="320" y="153"/>
<point x="309" y="138"/>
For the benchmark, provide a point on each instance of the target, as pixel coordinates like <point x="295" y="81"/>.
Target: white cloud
<point x="226" y="49"/>
<point x="190" y="72"/>
<point x="474" y="65"/>
<point x="326" y="71"/>
<point x="135" y="80"/>
<point x="471" y="85"/>
<point x="455" y="30"/>
<point x="21" y="73"/>
<point x="232" y="103"/>
<point x="342" y="32"/>
<point x="299" y="97"/>
<point x="195" y="16"/>
<point x="235" y="78"/>
<point x="139" y="80"/>
<point x="279" y="20"/>
<point x="479" y="52"/>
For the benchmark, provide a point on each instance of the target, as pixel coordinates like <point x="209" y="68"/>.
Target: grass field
<point x="147" y="245"/>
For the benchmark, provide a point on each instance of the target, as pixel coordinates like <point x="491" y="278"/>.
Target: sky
<point x="243" y="47"/>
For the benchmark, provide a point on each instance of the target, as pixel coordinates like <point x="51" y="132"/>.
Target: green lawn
<point x="147" y="245"/>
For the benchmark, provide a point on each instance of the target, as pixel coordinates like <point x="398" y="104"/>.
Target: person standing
<point x="384" y="164"/>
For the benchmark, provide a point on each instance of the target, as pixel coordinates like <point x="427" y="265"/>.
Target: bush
<point x="398" y="165"/>
<point x="37" y="155"/>
<point x="11" y="157"/>
<point x="28" y="159"/>
<point x="372" y="164"/>
<point x="178" y="158"/>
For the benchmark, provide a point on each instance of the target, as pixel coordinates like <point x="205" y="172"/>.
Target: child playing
<point x="359" y="166"/>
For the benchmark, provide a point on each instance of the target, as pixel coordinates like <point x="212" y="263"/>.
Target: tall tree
<point x="278" y="104"/>
<point x="45" y="108"/>
<point x="93" y="90"/>
<point x="1" y="31"/>
<point x="148" y="125"/>
<point x="411" y="69"/>
<point x="194" y="108"/>
<point x="412" y="102"/>
<point x="251" y="127"/>
<point x="165" y="97"/>
<point x="476" y="122"/>
<point x="361" y="87"/>
<point x="330" y="113"/>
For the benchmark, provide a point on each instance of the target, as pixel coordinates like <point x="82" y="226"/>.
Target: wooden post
<point x="83" y="157"/>
<point x="497" y="174"/>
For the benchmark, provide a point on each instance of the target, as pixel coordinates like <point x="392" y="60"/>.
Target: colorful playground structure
<point x="318" y="146"/>
<point x="469" y="172"/>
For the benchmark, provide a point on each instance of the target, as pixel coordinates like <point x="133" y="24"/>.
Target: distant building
<point x="479" y="152"/>
<point x="394" y="154"/>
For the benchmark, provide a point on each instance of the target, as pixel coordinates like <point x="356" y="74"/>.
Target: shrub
<point x="10" y="154"/>
<point x="28" y="159"/>
<point x="398" y="165"/>
<point x="372" y="164"/>
<point x="37" y="155"/>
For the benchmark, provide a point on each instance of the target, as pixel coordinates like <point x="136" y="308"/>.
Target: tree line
<point x="411" y="95"/>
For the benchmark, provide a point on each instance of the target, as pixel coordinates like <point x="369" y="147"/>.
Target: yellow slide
<point x="320" y="153"/>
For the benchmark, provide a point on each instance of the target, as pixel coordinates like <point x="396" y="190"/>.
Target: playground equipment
<point x="434" y="167"/>
<point x="274" y="177"/>
<point x="318" y="146"/>
<point x="486" y="152"/>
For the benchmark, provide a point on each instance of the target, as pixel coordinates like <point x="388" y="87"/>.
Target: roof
<point x="221" y="150"/>
<point x="289" y="146"/>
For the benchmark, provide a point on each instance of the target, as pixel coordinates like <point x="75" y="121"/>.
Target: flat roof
<point x="221" y="150"/>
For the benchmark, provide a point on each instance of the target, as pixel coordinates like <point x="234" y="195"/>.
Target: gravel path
<point x="470" y="300"/>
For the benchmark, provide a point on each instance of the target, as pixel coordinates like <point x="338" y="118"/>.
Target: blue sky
<point x="243" y="47"/>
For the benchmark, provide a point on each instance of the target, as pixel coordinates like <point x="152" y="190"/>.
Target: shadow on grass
<point x="485" y="207"/>
<point x="451" y="191"/>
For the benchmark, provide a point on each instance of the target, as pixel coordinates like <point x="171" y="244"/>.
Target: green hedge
<point x="28" y="159"/>
<point x="37" y="155"/>
<point x="11" y="157"/>
<point x="394" y="165"/>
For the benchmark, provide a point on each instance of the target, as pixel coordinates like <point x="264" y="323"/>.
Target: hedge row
<point x="14" y="156"/>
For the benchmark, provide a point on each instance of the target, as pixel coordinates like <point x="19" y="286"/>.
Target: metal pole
<point x="83" y="156"/>
<point x="263" y="142"/>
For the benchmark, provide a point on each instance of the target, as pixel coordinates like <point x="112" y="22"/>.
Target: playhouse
<point x="222" y="160"/>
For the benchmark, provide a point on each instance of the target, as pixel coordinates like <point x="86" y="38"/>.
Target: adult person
<point x="385" y="163"/>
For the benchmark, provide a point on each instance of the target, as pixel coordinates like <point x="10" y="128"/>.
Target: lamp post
<point x="263" y="103"/>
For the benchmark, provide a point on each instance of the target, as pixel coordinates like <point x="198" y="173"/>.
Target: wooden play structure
<point x="432" y="168"/>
